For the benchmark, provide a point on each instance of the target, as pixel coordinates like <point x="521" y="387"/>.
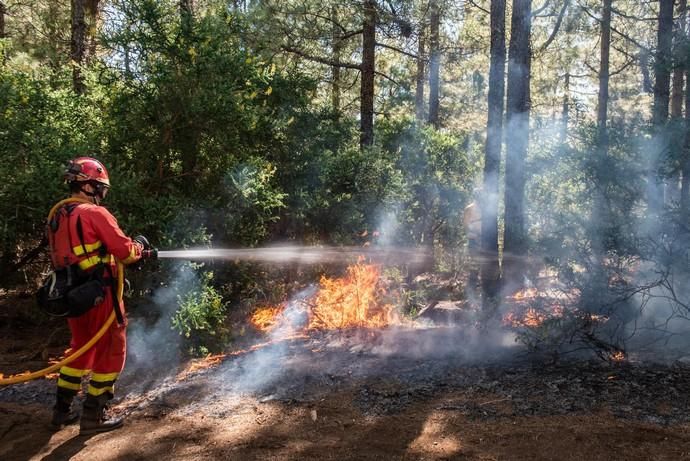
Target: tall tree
<point x="186" y="16"/>
<point x="598" y="215"/>
<point x="78" y="44"/>
<point x="84" y="19"/>
<point x="678" y="80"/>
<point x="91" y="12"/>
<point x="305" y="38"/>
<point x="604" y="75"/>
<point x="489" y="265"/>
<point x="685" y="156"/>
<point x="677" y="92"/>
<point x="368" y="70"/>
<point x="421" y="73"/>
<point x="517" y="110"/>
<point x="685" y="165"/>
<point x="3" y="10"/>
<point x="336" y="48"/>
<point x="434" y="62"/>
<point x="565" y="110"/>
<point x="662" y="67"/>
<point x="186" y="133"/>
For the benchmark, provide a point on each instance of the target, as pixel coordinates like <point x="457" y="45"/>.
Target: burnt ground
<point x="436" y="393"/>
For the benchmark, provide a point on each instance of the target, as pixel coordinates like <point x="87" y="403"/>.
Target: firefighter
<point x="86" y="235"/>
<point x="472" y="223"/>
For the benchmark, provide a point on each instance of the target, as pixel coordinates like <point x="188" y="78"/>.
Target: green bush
<point x="200" y="319"/>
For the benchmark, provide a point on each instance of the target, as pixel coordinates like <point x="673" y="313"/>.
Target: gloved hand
<point x="143" y="241"/>
<point x="148" y="251"/>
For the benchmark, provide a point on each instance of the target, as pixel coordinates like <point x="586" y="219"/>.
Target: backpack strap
<point x="113" y="291"/>
<point x="80" y="234"/>
<point x="103" y="268"/>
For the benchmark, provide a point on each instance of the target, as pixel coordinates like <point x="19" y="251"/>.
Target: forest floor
<point x="406" y="394"/>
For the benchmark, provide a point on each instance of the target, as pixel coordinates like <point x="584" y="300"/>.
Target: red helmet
<point x="85" y="169"/>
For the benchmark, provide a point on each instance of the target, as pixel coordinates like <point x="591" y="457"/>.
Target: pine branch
<point x="556" y="27"/>
<point x="320" y="59"/>
<point x="390" y="47"/>
<point x="613" y="29"/>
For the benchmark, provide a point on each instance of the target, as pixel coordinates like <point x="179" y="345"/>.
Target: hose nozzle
<point x="151" y="253"/>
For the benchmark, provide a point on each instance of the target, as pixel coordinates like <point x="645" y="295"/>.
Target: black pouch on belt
<point x="69" y="292"/>
<point x="52" y="295"/>
<point x="85" y="296"/>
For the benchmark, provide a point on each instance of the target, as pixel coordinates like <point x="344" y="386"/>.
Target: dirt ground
<point x="335" y="397"/>
<point x="333" y="429"/>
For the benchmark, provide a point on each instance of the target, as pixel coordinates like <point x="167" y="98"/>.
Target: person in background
<point x="472" y="224"/>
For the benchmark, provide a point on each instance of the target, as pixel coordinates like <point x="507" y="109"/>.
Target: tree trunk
<point x="679" y="64"/>
<point x="565" y="111"/>
<point x="685" y="184"/>
<point x="599" y="215"/>
<point x="685" y="155"/>
<point x="127" y="57"/>
<point x="3" y="10"/>
<point x="434" y="62"/>
<point x="421" y="74"/>
<point x="662" y="82"/>
<point x="367" y="75"/>
<point x="186" y="16"/>
<point x="518" y="102"/>
<point x="674" y="186"/>
<point x="78" y="45"/>
<point x="335" y="70"/>
<point x="604" y="73"/>
<point x="92" y="17"/>
<point x="489" y="264"/>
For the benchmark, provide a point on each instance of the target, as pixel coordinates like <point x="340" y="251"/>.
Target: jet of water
<point x="303" y="254"/>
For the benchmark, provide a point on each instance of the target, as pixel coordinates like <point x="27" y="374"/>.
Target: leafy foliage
<point x="221" y="127"/>
<point x="200" y="319"/>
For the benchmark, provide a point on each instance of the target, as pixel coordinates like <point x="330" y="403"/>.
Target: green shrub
<point x="200" y="319"/>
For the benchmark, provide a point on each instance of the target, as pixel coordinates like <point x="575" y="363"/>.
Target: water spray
<point x="303" y="254"/>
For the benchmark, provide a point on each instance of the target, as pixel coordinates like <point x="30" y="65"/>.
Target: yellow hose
<point x="79" y="352"/>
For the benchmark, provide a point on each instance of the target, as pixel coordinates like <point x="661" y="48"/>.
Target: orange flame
<point x="524" y="314"/>
<point x="617" y="356"/>
<point x="351" y="301"/>
<point x="265" y="318"/>
<point x="527" y="293"/>
<point x="530" y="318"/>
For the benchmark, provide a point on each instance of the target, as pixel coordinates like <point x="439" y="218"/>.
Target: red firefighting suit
<point x="88" y="235"/>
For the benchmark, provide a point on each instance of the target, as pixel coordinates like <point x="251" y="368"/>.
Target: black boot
<point x="94" y="419"/>
<point x="63" y="414"/>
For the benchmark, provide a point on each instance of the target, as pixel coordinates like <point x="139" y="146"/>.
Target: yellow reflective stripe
<point x="104" y="377"/>
<point x="132" y="256"/>
<point x="67" y="385"/>
<point x="91" y="261"/>
<point x="75" y="372"/>
<point x="95" y="391"/>
<point x="90" y="248"/>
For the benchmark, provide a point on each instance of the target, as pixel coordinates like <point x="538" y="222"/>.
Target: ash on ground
<point x="498" y="383"/>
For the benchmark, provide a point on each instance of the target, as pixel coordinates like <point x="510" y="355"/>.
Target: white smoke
<point x="153" y="347"/>
<point x="260" y="368"/>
